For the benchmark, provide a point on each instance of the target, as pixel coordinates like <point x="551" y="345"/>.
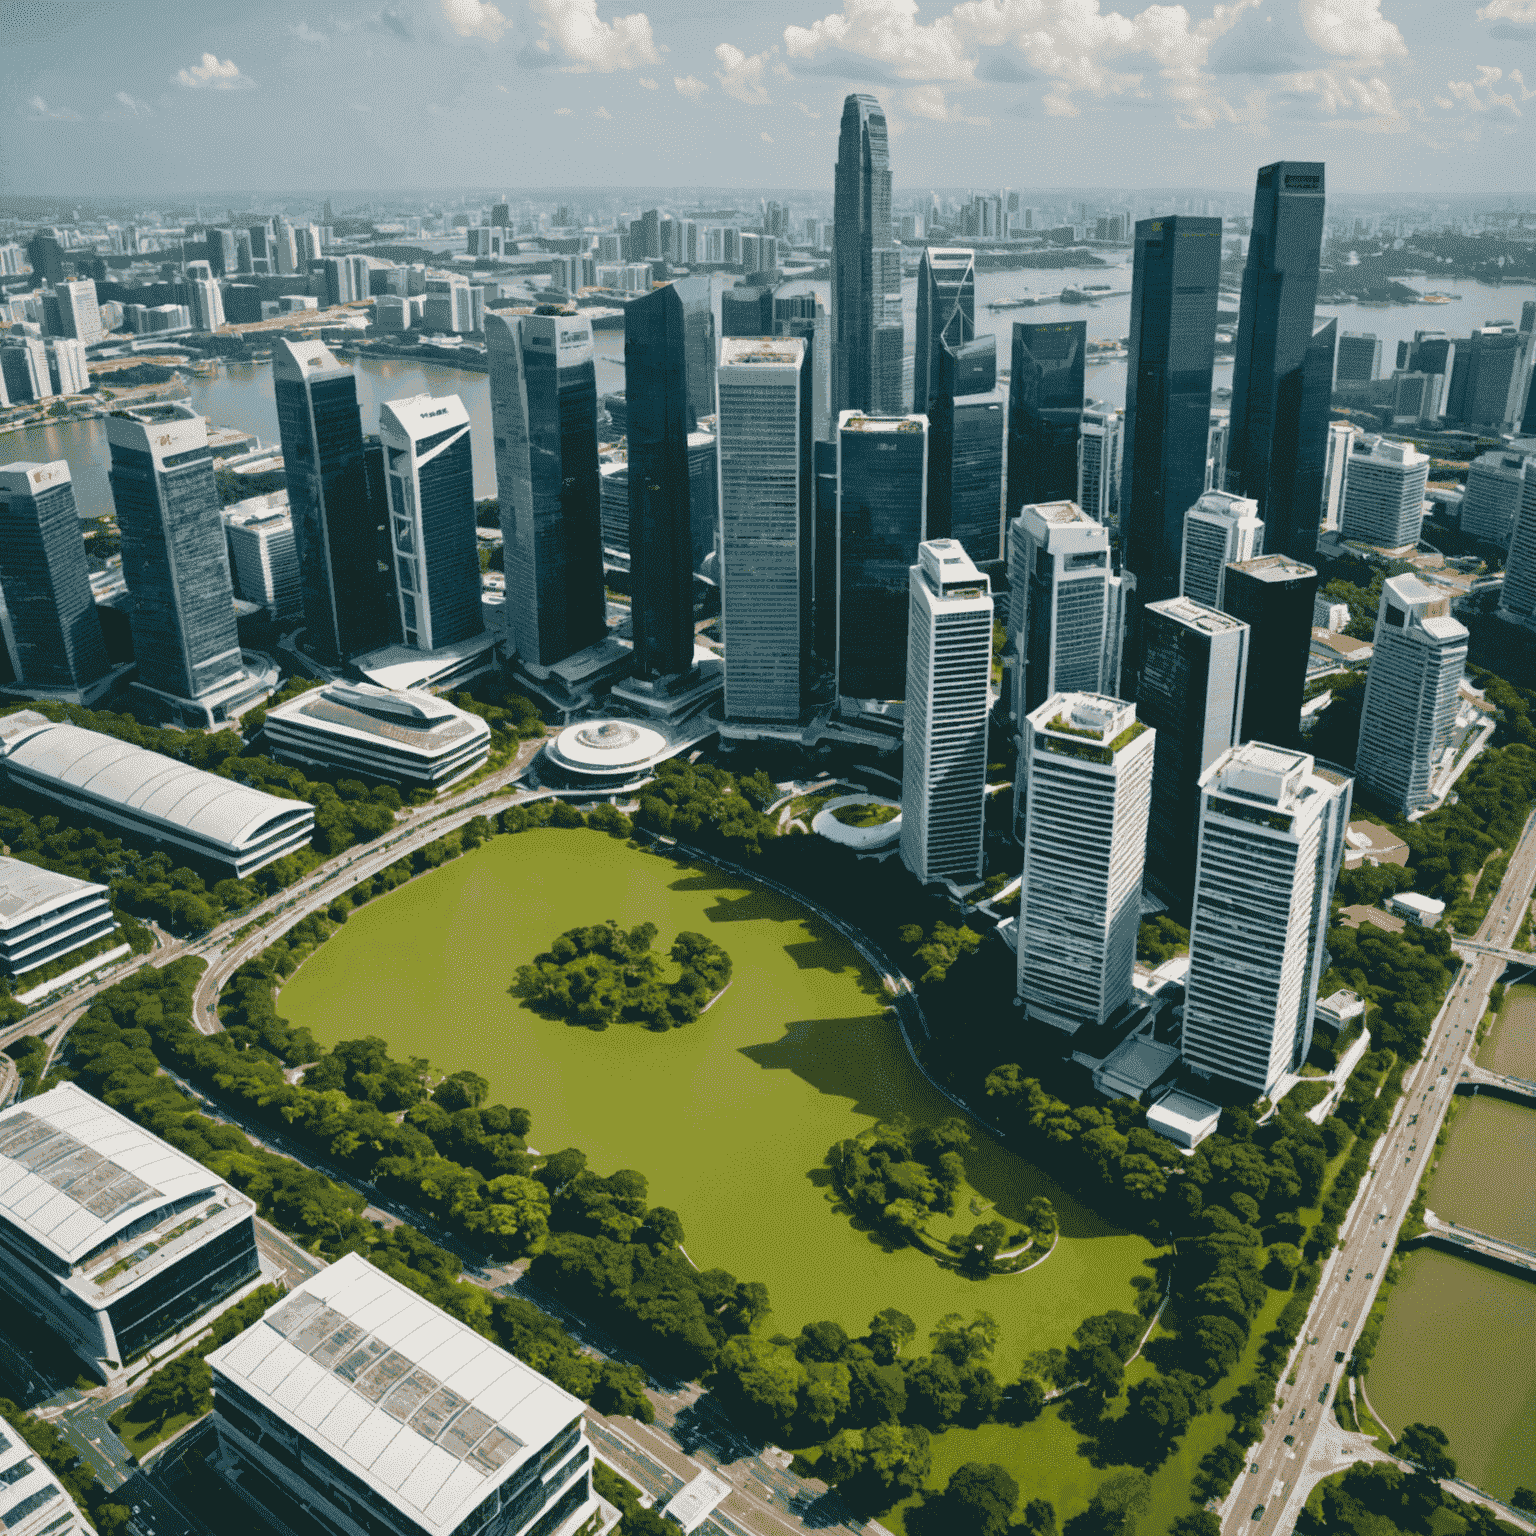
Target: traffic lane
<point x="297" y="1265"/>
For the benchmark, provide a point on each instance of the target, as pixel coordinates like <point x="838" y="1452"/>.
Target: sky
<point x="200" y="96"/>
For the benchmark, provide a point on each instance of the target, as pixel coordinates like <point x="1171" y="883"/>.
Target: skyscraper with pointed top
<point x="867" y="331"/>
<point x="946" y="317"/>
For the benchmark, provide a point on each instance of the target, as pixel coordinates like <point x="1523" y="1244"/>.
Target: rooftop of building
<point x="695" y="1500"/>
<point x="417" y="416"/>
<point x="1186" y="610"/>
<point x="408" y="718"/>
<point x="161" y="411"/>
<point x="1419" y="903"/>
<point x="398" y="667"/>
<point x="1273" y="568"/>
<point x="255" y="511"/>
<point x="864" y="421"/>
<point x="1182" y="1111"/>
<point x="1342" y="1005"/>
<point x="773" y="351"/>
<point x="28" y="891"/>
<point x="1257" y="771"/>
<point x="1226" y="504"/>
<point x="23" y="477"/>
<point x="1093" y="716"/>
<point x="304" y="359"/>
<point x="1057" y="512"/>
<point x="415" y="1404"/>
<point x="1387" y="450"/>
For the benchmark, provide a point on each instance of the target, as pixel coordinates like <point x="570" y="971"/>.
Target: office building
<point x="431" y="500"/>
<point x="336" y="521"/>
<point x="824" y="606"/>
<point x="264" y="555"/>
<point x="746" y="312"/>
<point x="1384" y="493"/>
<point x="67" y="370"/>
<point x="669" y="361"/>
<point x="805" y="316"/>
<point x="1274" y="596"/>
<point x="46" y="258"/>
<point x="867" y="329"/>
<point x="48" y="620"/>
<point x="24" y="369"/>
<point x="176" y="563"/>
<point x="408" y="738"/>
<point x="1495" y="485"/>
<point x="767" y="526"/>
<point x="966" y="421"/>
<point x="1045" y="412"/>
<point x="948" y="697"/>
<point x="1099" y="446"/>
<point x="1517" y="599"/>
<point x="1192" y="682"/>
<point x="45" y="916"/>
<point x="1218" y="529"/>
<point x="1359" y="359"/>
<point x="1217" y="439"/>
<point x="109" y="1237"/>
<point x="1409" y="716"/>
<point x="1341" y="437"/>
<point x="71" y="310"/>
<point x="882" y="508"/>
<point x="358" y="1406"/>
<point x="1271" y="842"/>
<point x="544" y="415"/>
<point x="1174" y="283"/>
<point x="1279" y="409"/>
<point x="1087" y="778"/>
<point x="207" y="304"/>
<point x="946" y="317"/>
<point x="1490" y="378"/>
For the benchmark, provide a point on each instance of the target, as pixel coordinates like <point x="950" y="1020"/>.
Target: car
<point x="1253" y="1467"/>
<point x="1322" y="1396"/>
<point x="1338" y="1357"/>
<point x="1290" y="1439"/>
<point x="1258" y="1513"/>
<point x="1370" y="1274"/>
<point x="1383" y="1244"/>
<point x="1302" y="1414"/>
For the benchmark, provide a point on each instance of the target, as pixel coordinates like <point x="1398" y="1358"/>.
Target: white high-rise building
<point x="1086" y="775"/>
<point x="207" y="304"/>
<point x="285" y="248"/>
<point x="1495" y="484"/>
<point x="359" y="268"/>
<point x="767" y="529"/>
<point x="949" y="693"/>
<point x="1218" y="438"/>
<point x="1335" y="471"/>
<point x="1384" y="492"/>
<point x="1098" y="462"/>
<point x="1218" y="529"/>
<point x="67" y="371"/>
<point x="24" y="369"/>
<point x="1410" y="692"/>
<point x="78" y="313"/>
<point x="263" y="557"/>
<point x="1271" y="841"/>
<point x="1517" y="601"/>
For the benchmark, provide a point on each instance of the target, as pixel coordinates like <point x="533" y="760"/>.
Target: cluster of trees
<point x="704" y="805"/>
<point x="1405" y="975"/>
<point x="596" y="975"/>
<point x="895" y="1174"/>
<point x="1160" y="938"/>
<point x="109" y="1517"/>
<point x="1370" y="1498"/>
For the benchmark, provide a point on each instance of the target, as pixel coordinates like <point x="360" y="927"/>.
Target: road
<point x="1302" y="1442"/>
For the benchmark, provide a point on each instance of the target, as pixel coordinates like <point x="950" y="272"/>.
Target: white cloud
<point x="1521" y="12"/>
<point x="741" y="75"/>
<point x="888" y="31"/>
<point x="474" y="18"/>
<point x="690" y="86"/>
<point x="650" y="85"/>
<point x="132" y="105"/>
<point x="806" y="109"/>
<point x="1479" y="95"/>
<point x="307" y="34"/>
<point x="1346" y="101"/>
<point x="1352" y="29"/>
<point x="604" y="113"/>
<point x="767" y="138"/>
<point x="212" y="75"/>
<point x="39" y="110"/>
<point x="589" y="42"/>
<point x="928" y="101"/>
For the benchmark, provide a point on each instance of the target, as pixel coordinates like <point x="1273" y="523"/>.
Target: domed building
<point x="603" y="755"/>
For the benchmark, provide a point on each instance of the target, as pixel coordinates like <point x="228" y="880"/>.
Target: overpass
<point x="1468" y="947"/>
<point x="1475" y="1079"/>
<point x="1497" y="1251"/>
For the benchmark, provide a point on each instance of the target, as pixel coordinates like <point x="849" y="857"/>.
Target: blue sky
<point x="183" y="96"/>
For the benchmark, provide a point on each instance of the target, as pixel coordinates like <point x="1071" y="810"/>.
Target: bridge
<point x="1525" y="957"/>
<point x="1497" y="1251"/>
<point x="1476" y="1079"/>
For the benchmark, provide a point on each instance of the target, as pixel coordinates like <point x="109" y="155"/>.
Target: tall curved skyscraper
<point x="867" y="333"/>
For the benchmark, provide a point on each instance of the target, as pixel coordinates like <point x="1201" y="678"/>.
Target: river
<point x="240" y="394"/>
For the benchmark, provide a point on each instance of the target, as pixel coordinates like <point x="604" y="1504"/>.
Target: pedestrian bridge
<point x="1500" y="1085"/>
<point x="1469" y="947"/>
<point x="1497" y="1251"/>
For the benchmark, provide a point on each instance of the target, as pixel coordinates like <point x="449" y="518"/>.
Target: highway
<point x="1302" y="1442"/>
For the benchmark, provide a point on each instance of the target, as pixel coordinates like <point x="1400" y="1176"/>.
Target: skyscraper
<point x="544" y="416"/>
<point x="430" y="488"/>
<point x="207" y="304"/>
<point x="1086" y="763"/>
<point x="46" y="605"/>
<point x="669" y="374"/>
<point x="1359" y="359"/>
<point x="966" y="417"/>
<point x="71" y="310"/>
<point x="1517" y="600"/>
<point x="1045" y="412"/>
<point x="882" y="516"/>
<point x="1218" y="529"/>
<point x="1191" y="694"/>
<point x="867" y="326"/>
<point x="175" y="560"/>
<point x="767" y="526"/>
<point x="805" y="316"/>
<point x="1274" y="596"/>
<point x="1098" y="462"/>
<point x="1271" y="841"/>
<point x="824" y="614"/>
<point x="1384" y="492"/>
<point x="1341" y="435"/>
<point x="1410" y="693"/>
<point x="949" y="671"/>
<point x="1490" y="378"/>
<point x="1216" y="443"/>
<point x="1495" y="484"/>
<point x="336" y="525"/>
<point x="1279" y="431"/>
<point x="746" y="312"/>
<point x="1174" y="284"/>
<point x="946" y="316"/>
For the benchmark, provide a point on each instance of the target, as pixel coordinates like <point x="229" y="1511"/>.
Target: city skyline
<point x="1381" y="89"/>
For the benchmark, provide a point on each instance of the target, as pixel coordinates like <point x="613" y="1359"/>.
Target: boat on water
<point x="1024" y="301"/>
<point x="1085" y="293"/>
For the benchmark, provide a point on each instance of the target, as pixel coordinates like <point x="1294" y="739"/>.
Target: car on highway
<point x="1258" y="1513"/>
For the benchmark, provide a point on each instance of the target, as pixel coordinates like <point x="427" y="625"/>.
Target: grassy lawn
<point x="730" y="1118"/>
<point x="866" y="815"/>
<point x="142" y="1438"/>
<point x="1511" y="1043"/>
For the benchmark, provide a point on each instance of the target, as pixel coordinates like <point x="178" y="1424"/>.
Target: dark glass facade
<point x="965" y="451"/>
<point x="1273" y="596"/>
<point x="335" y="524"/>
<point x="448" y="535"/>
<point x="824" y="621"/>
<point x="668" y="341"/>
<point x="746" y="312"/>
<point x="1279" y="440"/>
<point x="946" y="318"/>
<point x="1045" y="412"/>
<point x="881" y="511"/>
<point x="44" y="578"/>
<point x="1174" y="286"/>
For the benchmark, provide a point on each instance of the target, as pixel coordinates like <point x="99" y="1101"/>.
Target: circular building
<point x="872" y="835"/>
<point x="602" y="755"/>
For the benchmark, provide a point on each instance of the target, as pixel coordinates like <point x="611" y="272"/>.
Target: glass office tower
<point x="946" y="317"/>
<point x="1174" y="284"/>
<point x="882" y="502"/>
<point x="544" y="416"/>
<point x="335" y="522"/>
<point x="867" y="325"/>
<point x="1274" y="596"/>
<point x="1045" y="412"/>
<point x="46" y="607"/>
<point x="1279" y="429"/>
<point x="824" y="612"/>
<point x="965" y="450"/>
<point x="668" y="343"/>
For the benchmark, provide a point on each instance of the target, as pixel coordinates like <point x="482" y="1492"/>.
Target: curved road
<point x="1279" y="1475"/>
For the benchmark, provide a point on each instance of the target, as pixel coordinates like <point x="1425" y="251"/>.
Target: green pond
<point x="1511" y="1043"/>
<point x="729" y="1118"/>
<point x="1489" y="1135"/>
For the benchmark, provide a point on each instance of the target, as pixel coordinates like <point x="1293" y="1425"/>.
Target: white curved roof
<point x="212" y="809"/>
<point x="608" y="746"/>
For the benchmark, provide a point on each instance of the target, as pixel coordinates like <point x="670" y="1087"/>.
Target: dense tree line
<point x="1382" y="1499"/>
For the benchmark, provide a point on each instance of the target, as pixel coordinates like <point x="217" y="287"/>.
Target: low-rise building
<point x="109" y="1236"/>
<point x="1422" y="911"/>
<point x="45" y="915"/>
<point x="694" y="1502"/>
<point x="1184" y="1119"/>
<point x="407" y="737"/>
